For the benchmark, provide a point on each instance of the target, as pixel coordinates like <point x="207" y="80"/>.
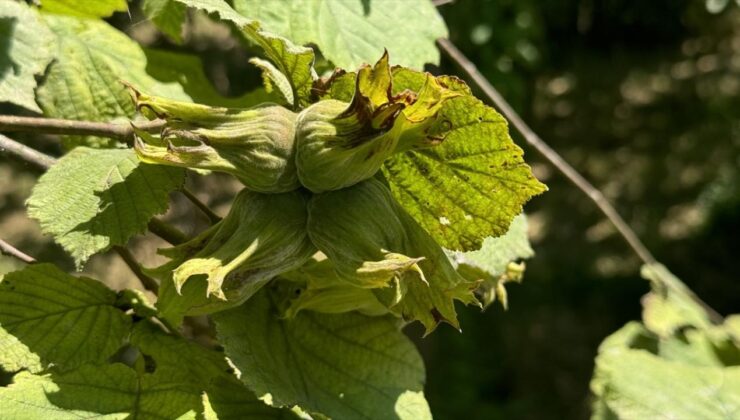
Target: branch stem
<point x="120" y="131"/>
<point x="11" y="251"/>
<point x="565" y="168"/>
<point x="25" y="153"/>
<point x="213" y="217"/>
<point x="551" y="155"/>
<point x="146" y="281"/>
<point x="166" y="231"/>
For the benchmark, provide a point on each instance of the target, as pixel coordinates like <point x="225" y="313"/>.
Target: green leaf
<point x="666" y="309"/>
<point x="93" y="199"/>
<point x="638" y="385"/>
<point x="352" y="32"/>
<point x="24" y="53"/>
<point x="187" y="70"/>
<point x="677" y="365"/>
<point x="343" y="366"/>
<point x="230" y="399"/>
<point x="272" y="78"/>
<point x="295" y="62"/>
<point x="84" y="81"/>
<point x="494" y="264"/>
<point x="96" y="8"/>
<point x="199" y="364"/>
<point x="48" y="317"/>
<point x="469" y="187"/>
<point x="167" y="15"/>
<point x="137" y="301"/>
<point x="111" y="392"/>
<point x="207" y="371"/>
<point x="497" y="253"/>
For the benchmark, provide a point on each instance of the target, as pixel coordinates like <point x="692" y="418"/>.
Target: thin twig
<point x="438" y="3"/>
<point x="564" y="167"/>
<point x="167" y="232"/>
<point x="146" y="281"/>
<point x="26" y="153"/>
<point x="44" y="161"/>
<point x="213" y="217"/>
<point x="120" y="131"/>
<point x="12" y="251"/>
<point x="551" y="155"/>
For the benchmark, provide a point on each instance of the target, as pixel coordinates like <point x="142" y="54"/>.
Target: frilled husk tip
<point x="256" y="145"/>
<point x="340" y="144"/>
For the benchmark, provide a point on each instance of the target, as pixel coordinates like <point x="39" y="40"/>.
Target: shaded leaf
<point x="229" y="399"/>
<point x="352" y="32"/>
<point x="167" y="15"/>
<point x="187" y="70"/>
<point x="295" y="62"/>
<point x="84" y="81"/>
<point x="48" y="317"/>
<point x="24" y="53"/>
<point x="207" y="371"/>
<point x="343" y="366"/>
<point x="93" y="199"/>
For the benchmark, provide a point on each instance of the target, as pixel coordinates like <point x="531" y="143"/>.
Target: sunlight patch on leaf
<point x="112" y="391"/>
<point x="351" y="32"/>
<point x="476" y="179"/>
<point x="48" y="317"/>
<point x="84" y="81"/>
<point x="94" y="9"/>
<point x="295" y="62"/>
<point x="342" y="366"/>
<point x="24" y="53"/>
<point x="93" y="199"/>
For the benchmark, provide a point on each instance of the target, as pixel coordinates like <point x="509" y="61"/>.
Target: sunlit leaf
<point x="110" y="392"/>
<point x="48" y="317"/>
<point x="93" y="199"/>
<point x="96" y="8"/>
<point x="24" y="54"/>
<point x="343" y="366"/>
<point x="295" y="62"/>
<point x="84" y="81"/>
<point x="352" y="32"/>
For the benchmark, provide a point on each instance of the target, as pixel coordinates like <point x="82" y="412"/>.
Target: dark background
<point x="642" y="97"/>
